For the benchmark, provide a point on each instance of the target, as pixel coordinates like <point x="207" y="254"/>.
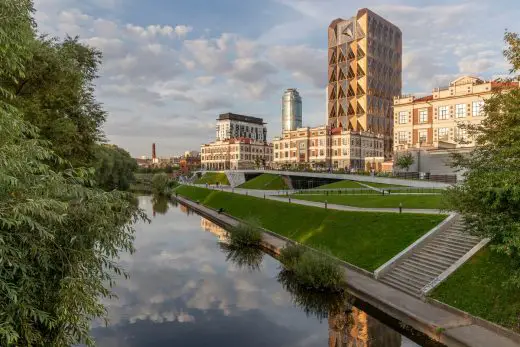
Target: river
<point x="183" y="291"/>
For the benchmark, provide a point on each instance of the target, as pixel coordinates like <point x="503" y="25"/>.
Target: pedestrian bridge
<point x="237" y="177"/>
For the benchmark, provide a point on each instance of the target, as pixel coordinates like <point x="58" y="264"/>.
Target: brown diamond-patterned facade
<point x="364" y="74"/>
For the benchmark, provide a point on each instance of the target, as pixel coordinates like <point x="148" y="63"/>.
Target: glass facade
<point x="291" y="110"/>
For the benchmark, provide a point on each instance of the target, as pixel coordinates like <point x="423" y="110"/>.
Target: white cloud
<point x="182" y="30"/>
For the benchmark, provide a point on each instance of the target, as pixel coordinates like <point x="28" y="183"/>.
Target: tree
<point x="160" y="183"/>
<point x="114" y="167"/>
<point x="489" y="196"/>
<point x="59" y="236"/>
<point x="404" y="161"/>
<point x="56" y="94"/>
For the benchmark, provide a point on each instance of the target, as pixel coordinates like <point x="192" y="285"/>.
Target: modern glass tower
<point x="291" y="110"/>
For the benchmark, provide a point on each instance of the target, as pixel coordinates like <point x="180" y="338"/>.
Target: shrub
<point x="246" y="234"/>
<point x="160" y="182"/>
<point x="313" y="270"/>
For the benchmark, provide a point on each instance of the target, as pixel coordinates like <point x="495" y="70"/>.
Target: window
<point x="443" y="112"/>
<point x="444" y="133"/>
<point x="403" y="117"/>
<point x="423" y="135"/>
<point x="402" y="136"/>
<point x="423" y="116"/>
<point x="460" y="110"/>
<point x="461" y="134"/>
<point x="302" y="145"/>
<point x="321" y="152"/>
<point x="287" y="154"/>
<point x="477" y="108"/>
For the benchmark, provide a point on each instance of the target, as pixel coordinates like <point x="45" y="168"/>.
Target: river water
<point x="182" y="291"/>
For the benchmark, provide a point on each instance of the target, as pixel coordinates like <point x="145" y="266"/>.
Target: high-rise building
<point x="364" y="74"/>
<point x="291" y="110"/>
<point x="232" y="126"/>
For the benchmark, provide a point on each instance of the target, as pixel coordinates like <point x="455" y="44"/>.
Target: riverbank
<point x="439" y="324"/>
<point x="364" y="239"/>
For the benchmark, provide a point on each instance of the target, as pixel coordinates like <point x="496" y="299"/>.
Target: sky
<point x="170" y="67"/>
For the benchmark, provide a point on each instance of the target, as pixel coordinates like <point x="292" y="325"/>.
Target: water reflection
<point x="319" y="304"/>
<point x="184" y="290"/>
<point x="160" y="204"/>
<point x="356" y="328"/>
<point x="247" y="258"/>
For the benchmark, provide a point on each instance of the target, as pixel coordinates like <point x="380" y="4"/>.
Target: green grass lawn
<point x="265" y="182"/>
<point x="382" y="185"/>
<point x="477" y="287"/>
<point x="341" y="184"/>
<point x="364" y="239"/>
<point x="408" y="201"/>
<point x="213" y="178"/>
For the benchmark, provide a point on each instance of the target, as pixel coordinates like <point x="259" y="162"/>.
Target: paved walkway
<point x="274" y="195"/>
<point x="439" y="324"/>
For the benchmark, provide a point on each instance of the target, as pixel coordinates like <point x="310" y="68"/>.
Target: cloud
<point x="302" y="61"/>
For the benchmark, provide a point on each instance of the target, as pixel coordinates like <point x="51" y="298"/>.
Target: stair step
<point x="420" y="268"/>
<point x="414" y="273"/>
<point x="455" y="246"/>
<point x="424" y="264"/>
<point x="447" y="253"/>
<point x="434" y="260"/>
<point x="402" y="286"/>
<point x="408" y="278"/>
<point x="459" y="239"/>
<point x="463" y="233"/>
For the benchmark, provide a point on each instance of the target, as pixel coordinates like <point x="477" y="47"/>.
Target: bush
<point x="246" y="234"/>
<point x="160" y="183"/>
<point x="313" y="270"/>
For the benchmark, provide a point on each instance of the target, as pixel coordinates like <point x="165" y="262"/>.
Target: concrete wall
<point x="434" y="162"/>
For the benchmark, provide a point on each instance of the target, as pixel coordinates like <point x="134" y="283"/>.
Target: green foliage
<point x="313" y="270"/>
<point x="160" y="183"/>
<point x="489" y="197"/>
<point x="59" y="237"/>
<point x="213" y="178"/>
<point x="160" y="204"/>
<point x="364" y="239"/>
<point x="246" y="234"/>
<point x="404" y="161"/>
<point x="114" y="167"/>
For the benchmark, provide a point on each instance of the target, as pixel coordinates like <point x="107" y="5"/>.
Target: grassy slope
<point x="266" y="182"/>
<point x="364" y="239"/>
<point x="213" y="178"/>
<point x="341" y="184"/>
<point x="382" y="185"/>
<point x="477" y="288"/>
<point x="408" y="201"/>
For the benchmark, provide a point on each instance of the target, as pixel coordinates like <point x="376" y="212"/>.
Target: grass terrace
<point x="265" y="182"/>
<point x="376" y="200"/>
<point x="341" y="184"/>
<point x="478" y="288"/>
<point x="213" y="178"/>
<point x="364" y="239"/>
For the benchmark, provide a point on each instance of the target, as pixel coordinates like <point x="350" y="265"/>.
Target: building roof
<point x="242" y="118"/>
<point x="424" y="98"/>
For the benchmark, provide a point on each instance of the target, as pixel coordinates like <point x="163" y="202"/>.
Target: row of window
<point x="443" y="112"/>
<point x="234" y="156"/>
<point x="233" y="149"/>
<point x="336" y="152"/>
<point x="335" y="142"/>
<point x="442" y="133"/>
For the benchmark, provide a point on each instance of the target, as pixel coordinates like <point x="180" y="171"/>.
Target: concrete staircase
<point x="431" y="259"/>
<point x="235" y="178"/>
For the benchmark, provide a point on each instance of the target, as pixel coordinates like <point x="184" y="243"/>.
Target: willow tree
<point x="489" y="197"/>
<point x="59" y="236"/>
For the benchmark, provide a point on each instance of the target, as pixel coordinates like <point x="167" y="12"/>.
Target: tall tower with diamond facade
<point x="364" y="74"/>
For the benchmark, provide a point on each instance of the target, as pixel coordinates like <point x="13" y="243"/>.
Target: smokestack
<point x="153" y="151"/>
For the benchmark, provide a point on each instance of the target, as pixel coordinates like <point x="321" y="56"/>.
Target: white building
<point x="230" y="125"/>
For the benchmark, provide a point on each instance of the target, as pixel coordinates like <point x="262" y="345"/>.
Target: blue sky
<point x="170" y="67"/>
